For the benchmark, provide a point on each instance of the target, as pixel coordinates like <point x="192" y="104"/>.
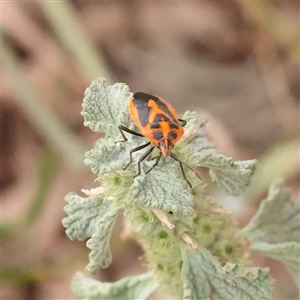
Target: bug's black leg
<point x="123" y="128"/>
<point x="177" y="159"/>
<point x="182" y="170"/>
<point x="183" y="173"/>
<point x="157" y="161"/>
<point x="142" y="158"/>
<point x="193" y="171"/>
<point x="134" y="150"/>
<point x="183" y="122"/>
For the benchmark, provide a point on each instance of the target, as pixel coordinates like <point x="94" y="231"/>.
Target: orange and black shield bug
<point x="157" y="121"/>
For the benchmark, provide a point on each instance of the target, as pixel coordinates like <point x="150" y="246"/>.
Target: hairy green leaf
<point x="134" y="287"/>
<point x="111" y="156"/>
<point x="103" y="107"/>
<point x="274" y="229"/>
<point x="153" y="189"/>
<point x="277" y="219"/>
<point x="108" y="158"/>
<point x="288" y="253"/>
<point x="100" y="255"/>
<point x="82" y="215"/>
<point x="205" y="278"/>
<point x="196" y="142"/>
<point x="232" y="176"/>
<point x="193" y="120"/>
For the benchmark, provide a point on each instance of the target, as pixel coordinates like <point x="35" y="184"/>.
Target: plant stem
<point x="72" y="36"/>
<point x="49" y="163"/>
<point x="50" y="127"/>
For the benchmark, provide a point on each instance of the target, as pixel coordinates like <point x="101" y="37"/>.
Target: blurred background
<point x="236" y="63"/>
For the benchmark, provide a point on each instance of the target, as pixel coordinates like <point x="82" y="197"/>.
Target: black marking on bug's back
<point x="161" y="118"/>
<point x="155" y="126"/>
<point x="140" y="101"/>
<point x="174" y="126"/>
<point x="164" y="107"/>
<point x="158" y="135"/>
<point x="172" y="135"/>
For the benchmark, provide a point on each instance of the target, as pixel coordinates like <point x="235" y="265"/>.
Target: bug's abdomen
<point x="155" y="118"/>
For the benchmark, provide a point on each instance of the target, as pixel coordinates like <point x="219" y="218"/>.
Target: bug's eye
<point x="158" y="135"/>
<point x="172" y="135"/>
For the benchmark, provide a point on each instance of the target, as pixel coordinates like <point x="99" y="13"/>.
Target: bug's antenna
<point x="182" y="170"/>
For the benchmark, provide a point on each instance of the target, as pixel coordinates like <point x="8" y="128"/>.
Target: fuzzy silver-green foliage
<point x="100" y="255"/>
<point x="103" y="106"/>
<point x="209" y="227"/>
<point x="177" y="199"/>
<point x="216" y="269"/>
<point x="83" y="215"/>
<point x="204" y="278"/>
<point x="275" y="228"/>
<point x="133" y="287"/>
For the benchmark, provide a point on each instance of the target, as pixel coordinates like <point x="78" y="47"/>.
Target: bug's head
<point x="165" y="138"/>
<point x="165" y="146"/>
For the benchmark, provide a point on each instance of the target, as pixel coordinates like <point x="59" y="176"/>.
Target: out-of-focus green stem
<point x="270" y="18"/>
<point x="48" y="166"/>
<point x="73" y="37"/>
<point x="17" y="277"/>
<point x="46" y="122"/>
<point x="281" y="161"/>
